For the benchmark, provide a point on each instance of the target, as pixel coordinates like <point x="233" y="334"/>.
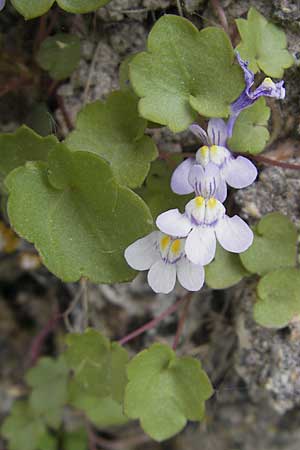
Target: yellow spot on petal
<point x="214" y="149"/>
<point x="176" y="246"/>
<point x="204" y="150"/>
<point x="164" y="242"/>
<point x="268" y="81"/>
<point x="212" y="202"/>
<point x="199" y="201"/>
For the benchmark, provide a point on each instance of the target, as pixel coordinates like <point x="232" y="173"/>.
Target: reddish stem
<point x="153" y="322"/>
<point x="37" y="344"/>
<point x="273" y="162"/>
<point x="220" y="14"/>
<point x="182" y="320"/>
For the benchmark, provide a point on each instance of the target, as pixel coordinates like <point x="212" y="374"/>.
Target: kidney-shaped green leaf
<point x="81" y="6"/>
<point x="59" y="55"/>
<point x="263" y="45"/>
<point x="274" y="245"/>
<point x="115" y="131"/>
<point x="164" y="391"/>
<point x="22" y="146"/>
<point x="77" y="216"/>
<point x="250" y="132"/>
<point x="184" y="72"/>
<point x="32" y="8"/>
<point x="278" y="298"/>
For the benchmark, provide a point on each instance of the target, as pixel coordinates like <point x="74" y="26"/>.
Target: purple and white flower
<point x="266" y="89"/>
<point x="237" y="172"/>
<point x="2" y="4"/>
<point x="165" y="258"/>
<point x="204" y="222"/>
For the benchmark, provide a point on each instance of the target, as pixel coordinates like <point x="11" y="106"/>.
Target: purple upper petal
<point x="248" y="74"/>
<point x="199" y="132"/>
<point x="180" y="178"/>
<point x="217" y="132"/>
<point x="2" y="4"/>
<point x="240" y="172"/>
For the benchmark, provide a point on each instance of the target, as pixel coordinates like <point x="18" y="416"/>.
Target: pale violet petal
<point x="190" y="276"/>
<point x="196" y="176"/>
<point x="162" y="277"/>
<point x="221" y="192"/>
<point x="174" y="223"/>
<point x="200" y="246"/>
<point x="217" y="132"/>
<point x="180" y="178"/>
<point x="144" y="252"/>
<point x="199" y="132"/>
<point x="234" y="234"/>
<point x="240" y="172"/>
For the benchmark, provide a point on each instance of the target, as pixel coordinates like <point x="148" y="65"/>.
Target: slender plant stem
<point x="179" y="7"/>
<point x="37" y="344"/>
<point x="64" y="112"/>
<point x="153" y="322"/>
<point x="182" y="320"/>
<point x="220" y="14"/>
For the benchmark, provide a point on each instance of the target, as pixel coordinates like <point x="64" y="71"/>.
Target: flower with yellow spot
<point x="164" y="257"/>
<point x="202" y="224"/>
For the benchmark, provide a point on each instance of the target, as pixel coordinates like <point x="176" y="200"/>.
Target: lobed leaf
<point x="77" y="216"/>
<point x="59" y="55"/>
<point x="48" y="380"/>
<point x="97" y="364"/>
<point x="23" y="429"/>
<point x="81" y="6"/>
<point x="33" y="8"/>
<point x="185" y="72"/>
<point x="250" y="132"/>
<point x="274" y="245"/>
<point x="22" y="146"/>
<point x="263" y="45"/>
<point x="114" y="131"/>
<point x="278" y="298"/>
<point x="164" y="391"/>
<point x="225" y="271"/>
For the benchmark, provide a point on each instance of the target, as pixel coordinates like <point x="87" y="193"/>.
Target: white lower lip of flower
<point x="202" y="212"/>
<point x="215" y="153"/>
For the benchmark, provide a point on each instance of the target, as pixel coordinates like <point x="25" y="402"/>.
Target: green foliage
<point x="45" y="401"/>
<point x="21" y="146"/>
<point x="157" y="192"/>
<point x="35" y="8"/>
<point x="263" y="45"/>
<point x="40" y="119"/>
<point x="114" y="131"/>
<point x="250" y="133"/>
<point x="98" y="365"/>
<point x="101" y="411"/>
<point x="226" y="270"/>
<point x="164" y="391"/>
<point x="23" y="429"/>
<point x="278" y="298"/>
<point x="99" y="379"/>
<point x="77" y="216"/>
<point x="48" y="442"/>
<point x="59" y="55"/>
<point x="184" y="72"/>
<point x="75" y="440"/>
<point x="274" y="246"/>
<point x="32" y="8"/>
<point x="81" y="6"/>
